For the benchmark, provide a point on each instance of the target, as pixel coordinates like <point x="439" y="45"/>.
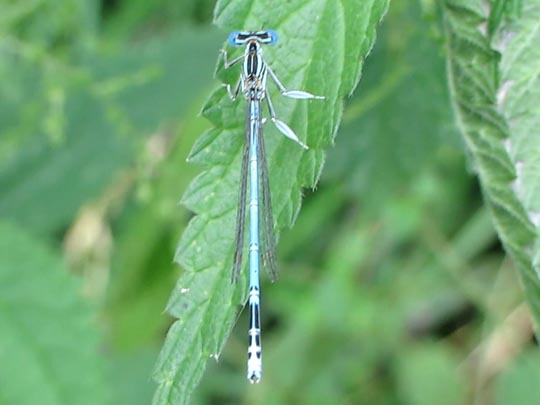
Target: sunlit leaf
<point x="321" y="48"/>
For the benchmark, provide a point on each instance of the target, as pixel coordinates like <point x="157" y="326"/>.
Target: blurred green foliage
<point x="394" y="288"/>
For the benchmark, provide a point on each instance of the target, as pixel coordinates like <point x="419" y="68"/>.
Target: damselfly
<point x="252" y="82"/>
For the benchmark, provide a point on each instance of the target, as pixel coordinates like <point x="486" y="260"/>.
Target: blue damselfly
<point x="252" y="82"/>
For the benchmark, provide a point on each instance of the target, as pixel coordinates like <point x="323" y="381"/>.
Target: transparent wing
<point x="268" y="237"/>
<point x="241" y="211"/>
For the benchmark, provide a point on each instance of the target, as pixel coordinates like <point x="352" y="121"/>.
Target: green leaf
<point x="136" y="16"/>
<point x="430" y="374"/>
<point x="48" y="343"/>
<point x="107" y="118"/>
<point x="146" y="235"/>
<point x="400" y="115"/>
<point x="48" y="25"/>
<point x="518" y="384"/>
<point x="495" y="84"/>
<point x="129" y="373"/>
<point x="321" y="48"/>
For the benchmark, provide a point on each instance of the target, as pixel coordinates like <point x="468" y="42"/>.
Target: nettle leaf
<point x="495" y="84"/>
<point x="321" y="49"/>
<point x="48" y="345"/>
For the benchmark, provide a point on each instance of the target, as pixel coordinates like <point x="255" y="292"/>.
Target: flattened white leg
<point x="299" y="94"/>
<point x="281" y="126"/>
<point x="288" y="132"/>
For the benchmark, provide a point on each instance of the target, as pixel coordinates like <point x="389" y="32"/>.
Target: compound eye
<point x="273" y="35"/>
<point x="233" y="38"/>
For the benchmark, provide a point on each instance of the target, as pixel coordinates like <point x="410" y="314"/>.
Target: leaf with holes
<point x="321" y="48"/>
<point x="494" y="70"/>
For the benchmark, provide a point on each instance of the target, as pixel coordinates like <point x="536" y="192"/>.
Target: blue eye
<point x="273" y="36"/>
<point x="233" y="38"/>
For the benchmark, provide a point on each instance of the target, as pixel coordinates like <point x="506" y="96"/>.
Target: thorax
<point x="254" y="74"/>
